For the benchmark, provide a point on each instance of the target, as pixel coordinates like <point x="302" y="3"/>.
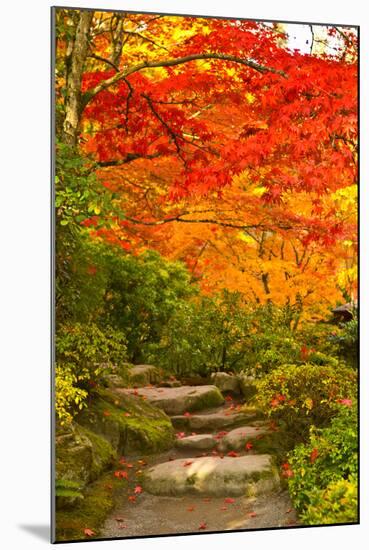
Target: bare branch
<point x="99" y="58"/>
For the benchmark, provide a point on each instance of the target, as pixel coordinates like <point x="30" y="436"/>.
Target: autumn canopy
<point x="222" y="148"/>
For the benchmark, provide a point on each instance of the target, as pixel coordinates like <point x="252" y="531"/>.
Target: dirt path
<point x="152" y="515"/>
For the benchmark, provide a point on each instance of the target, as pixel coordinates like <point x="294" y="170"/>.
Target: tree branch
<point x="129" y="158"/>
<point x="173" y="62"/>
<point x="210" y="221"/>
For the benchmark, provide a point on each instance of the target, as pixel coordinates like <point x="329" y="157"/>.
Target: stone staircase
<point x="227" y="465"/>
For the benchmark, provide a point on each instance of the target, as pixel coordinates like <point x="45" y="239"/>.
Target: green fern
<point x="68" y="488"/>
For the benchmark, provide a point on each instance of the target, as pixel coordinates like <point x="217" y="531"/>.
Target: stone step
<point x="215" y="421"/>
<point x="176" y="401"/>
<point x="236" y="439"/>
<point x="203" y="442"/>
<point x="214" y="476"/>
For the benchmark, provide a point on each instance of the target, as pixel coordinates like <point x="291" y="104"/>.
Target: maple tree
<point x="219" y="147"/>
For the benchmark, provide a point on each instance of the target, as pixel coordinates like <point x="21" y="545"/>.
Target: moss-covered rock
<point x="81" y="457"/>
<point x="129" y="424"/>
<point x="143" y="375"/>
<point x="247" y="386"/>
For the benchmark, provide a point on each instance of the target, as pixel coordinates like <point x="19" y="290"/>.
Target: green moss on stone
<point x="91" y="512"/>
<point x="130" y="424"/>
<point x="207" y="401"/>
<point x="103" y="454"/>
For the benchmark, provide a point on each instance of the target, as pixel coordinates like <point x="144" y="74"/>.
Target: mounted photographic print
<point x="206" y="240"/>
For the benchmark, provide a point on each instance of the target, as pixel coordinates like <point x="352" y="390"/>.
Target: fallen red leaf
<point x="248" y="446"/>
<point x="106" y="413"/>
<point x="187" y="463"/>
<point x="127" y="414"/>
<point x="233" y="454"/>
<point x="138" y="490"/>
<point x="121" y="474"/>
<point x="190" y="508"/>
<point x="224" y="508"/>
<point x="122" y="526"/>
<point x="228" y="398"/>
<point x="252" y="515"/>
<point x="187" y="414"/>
<point x="229" y="500"/>
<point x="132" y="498"/>
<point x="202" y="526"/>
<point x="289" y="511"/>
<point x="314" y="455"/>
<point x="129" y="465"/>
<point x="180" y="435"/>
<point x="89" y="532"/>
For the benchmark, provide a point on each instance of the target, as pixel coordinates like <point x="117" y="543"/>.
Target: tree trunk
<point x="74" y="79"/>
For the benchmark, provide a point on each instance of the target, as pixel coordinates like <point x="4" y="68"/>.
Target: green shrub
<point x="142" y="294"/>
<point x="83" y="354"/>
<point x="269" y="350"/>
<point x="204" y="335"/>
<point x="319" y="358"/>
<point x="68" y="396"/>
<point x="338" y="503"/>
<point x="324" y="471"/>
<point x="299" y="396"/>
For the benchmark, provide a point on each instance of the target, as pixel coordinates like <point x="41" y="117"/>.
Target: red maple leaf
<point x="248" y="446"/>
<point x="314" y="455"/>
<point x="138" y="490"/>
<point x="346" y="402"/>
<point x="202" y="526"/>
<point x="233" y="454"/>
<point x="89" y="532"/>
<point x="121" y="474"/>
<point x="229" y="500"/>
